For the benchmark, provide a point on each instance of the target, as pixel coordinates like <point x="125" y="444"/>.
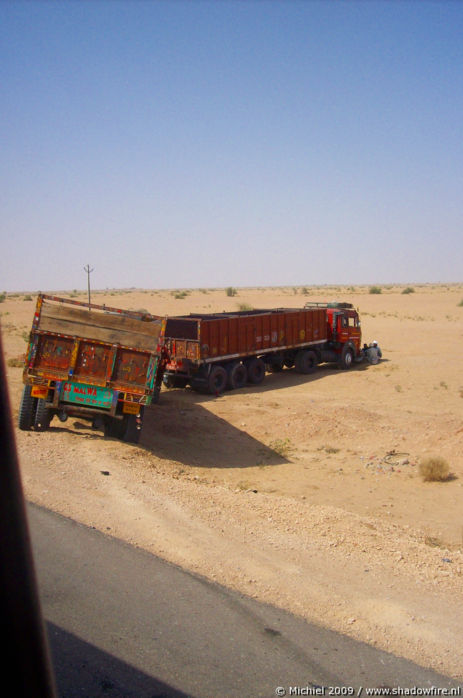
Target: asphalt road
<point x="122" y="622"/>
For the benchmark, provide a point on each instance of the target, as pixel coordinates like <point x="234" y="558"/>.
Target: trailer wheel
<point x="27" y="409"/>
<point x="256" y="371"/>
<point x="217" y="380"/>
<point x="288" y="360"/>
<point x="42" y="416"/>
<point x="306" y="361"/>
<point x="237" y="376"/>
<point x="347" y="358"/>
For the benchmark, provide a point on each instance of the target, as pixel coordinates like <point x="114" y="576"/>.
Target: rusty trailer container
<point x="104" y="364"/>
<point x="213" y="351"/>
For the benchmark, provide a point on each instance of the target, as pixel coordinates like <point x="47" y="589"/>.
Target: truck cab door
<point x="343" y="334"/>
<point x="352" y="329"/>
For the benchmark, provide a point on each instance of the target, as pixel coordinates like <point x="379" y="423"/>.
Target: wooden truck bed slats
<point x="109" y="328"/>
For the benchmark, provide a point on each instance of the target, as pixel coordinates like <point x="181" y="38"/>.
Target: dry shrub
<point x="281" y="446"/>
<point x="16" y="362"/>
<point x="434" y="469"/>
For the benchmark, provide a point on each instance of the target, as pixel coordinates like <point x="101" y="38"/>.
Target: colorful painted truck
<point x="213" y="352"/>
<point x="103" y="364"/>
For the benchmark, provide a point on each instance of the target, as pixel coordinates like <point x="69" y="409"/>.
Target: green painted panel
<point x="90" y="395"/>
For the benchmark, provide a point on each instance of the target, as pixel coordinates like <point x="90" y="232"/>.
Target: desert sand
<point x="303" y="492"/>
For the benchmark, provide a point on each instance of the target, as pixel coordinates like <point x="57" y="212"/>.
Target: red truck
<point x="213" y="352"/>
<point x="103" y="364"/>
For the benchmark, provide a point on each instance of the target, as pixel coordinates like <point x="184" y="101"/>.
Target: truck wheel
<point x="306" y="361"/>
<point x="347" y="358"/>
<point x="113" y="428"/>
<point x="27" y="409"/>
<point x="175" y="381"/>
<point x="288" y="360"/>
<point x="256" y="371"/>
<point x="42" y="416"/>
<point x="168" y="381"/>
<point x="217" y="380"/>
<point x="197" y="386"/>
<point x="237" y="377"/>
<point x="130" y="433"/>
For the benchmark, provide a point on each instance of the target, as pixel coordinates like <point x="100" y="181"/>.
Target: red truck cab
<point x="344" y="334"/>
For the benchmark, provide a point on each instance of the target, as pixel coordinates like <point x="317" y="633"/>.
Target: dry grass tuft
<point x="16" y="361"/>
<point x="283" y="447"/>
<point x="434" y="469"/>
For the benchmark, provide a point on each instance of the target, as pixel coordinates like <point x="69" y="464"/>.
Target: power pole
<point x="89" y="271"/>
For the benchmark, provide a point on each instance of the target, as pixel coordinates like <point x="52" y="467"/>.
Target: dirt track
<point x="286" y="491"/>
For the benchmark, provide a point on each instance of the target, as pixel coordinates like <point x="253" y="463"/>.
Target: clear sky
<point x="193" y="144"/>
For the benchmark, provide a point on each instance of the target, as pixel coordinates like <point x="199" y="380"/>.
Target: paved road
<point x="124" y="623"/>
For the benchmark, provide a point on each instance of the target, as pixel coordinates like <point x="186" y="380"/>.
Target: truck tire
<point x="256" y="371"/>
<point x="237" y="376"/>
<point x="42" y="416"/>
<point x="217" y="380"/>
<point x="113" y="428"/>
<point x="175" y="381"/>
<point x="130" y="432"/>
<point x="347" y="358"/>
<point x="306" y="361"/>
<point x="288" y="360"/>
<point x="198" y="386"/>
<point x="27" y="409"/>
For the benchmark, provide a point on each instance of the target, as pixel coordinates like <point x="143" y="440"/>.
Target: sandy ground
<point x="288" y="491"/>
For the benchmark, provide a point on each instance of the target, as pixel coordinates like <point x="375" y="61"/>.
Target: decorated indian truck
<point x="102" y="364"/>
<point x="214" y="352"/>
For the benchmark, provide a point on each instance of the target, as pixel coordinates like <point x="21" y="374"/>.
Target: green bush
<point x="230" y="291"/>
<point x="409" y="289"/>
<point x="375" y="289"/>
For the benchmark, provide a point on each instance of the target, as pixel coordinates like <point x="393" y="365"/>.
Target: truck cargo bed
<point x="99" y="346"/>
<point x="205" y="338"/>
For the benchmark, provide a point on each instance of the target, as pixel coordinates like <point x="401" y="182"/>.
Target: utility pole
<point x="89" y="271"/>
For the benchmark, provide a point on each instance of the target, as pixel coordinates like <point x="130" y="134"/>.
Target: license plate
<point x="39" y="391"/>
<point x="90" y="395"/>
<point x="130" y="408"/>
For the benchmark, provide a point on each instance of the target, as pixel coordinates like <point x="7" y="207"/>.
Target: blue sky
<point x="194" y="144"/>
